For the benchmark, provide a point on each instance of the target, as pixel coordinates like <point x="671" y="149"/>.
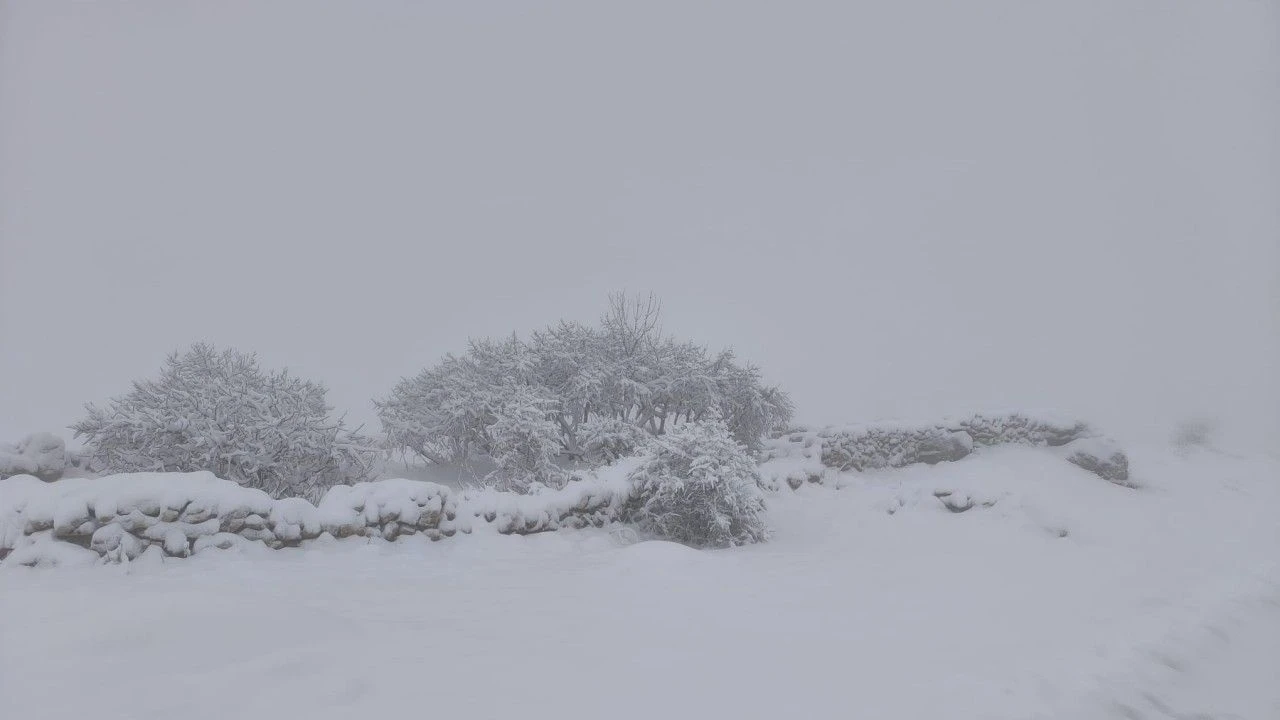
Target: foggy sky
<point x="895" y="209"/>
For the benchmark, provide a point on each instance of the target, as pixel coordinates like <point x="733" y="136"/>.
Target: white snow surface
<point x="1055" y="595"/>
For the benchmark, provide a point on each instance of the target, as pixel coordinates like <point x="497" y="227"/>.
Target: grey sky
<point x="896" y="209"/>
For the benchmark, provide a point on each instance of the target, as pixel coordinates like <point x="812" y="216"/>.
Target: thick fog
<point x="895" y="209"/>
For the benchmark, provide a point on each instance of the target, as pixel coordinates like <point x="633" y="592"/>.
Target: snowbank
<point x="809" y="455"/>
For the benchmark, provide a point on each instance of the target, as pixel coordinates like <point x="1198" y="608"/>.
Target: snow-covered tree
<point x="697" y="485"/>
<point x="219" y="411"/>
<point x="607" y="440"/>
<point x="523" y="442"/>
<point x="586" y="382"/>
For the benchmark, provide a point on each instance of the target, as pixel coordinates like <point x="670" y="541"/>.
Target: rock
<point x="43" y="455"/>
<point x="196" y="512"/>
<point x="151" y="556"/>
<point x="175" y="543"/>
<point x="218" y="541"/>
<point x="136" y="522"/>
<point x="106" y="538"/>
<point x="938" y="447"/>
<point x="14" y="463"/>
<point x="258" y="534"/>
<point x="131" y="547"/>
<point x="69" y="516"/>
<point x="1100" y="456"/>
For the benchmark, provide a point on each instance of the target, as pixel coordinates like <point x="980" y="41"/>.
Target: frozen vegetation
<point x="575" y="393"/>
<point x="219" y="411"/>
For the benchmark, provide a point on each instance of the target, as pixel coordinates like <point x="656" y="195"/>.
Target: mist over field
<point x="896" y="210"/>
<point x="649" y="360"/>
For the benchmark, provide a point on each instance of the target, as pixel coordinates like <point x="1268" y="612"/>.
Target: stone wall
<point x="879" y="446"/>
<point x="122" y="517"/>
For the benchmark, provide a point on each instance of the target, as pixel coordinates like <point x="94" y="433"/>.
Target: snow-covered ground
<point x="1056" y="595"/>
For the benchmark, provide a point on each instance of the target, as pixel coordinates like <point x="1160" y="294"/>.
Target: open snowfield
<point x="1058" y="595"/>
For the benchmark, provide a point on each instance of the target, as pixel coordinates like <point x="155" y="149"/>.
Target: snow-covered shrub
<point x="523" y="442"/>
<point x="607" y="440"/>
<point x="43" y="455"/>
<point x="220" y="412"/>
<point x="698" y="485"/>
<point x="562" y="395"/>
<point x="1193" y="434"/>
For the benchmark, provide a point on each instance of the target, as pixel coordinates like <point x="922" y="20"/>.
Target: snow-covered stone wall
<point x="121" y="517"/>
<point x="804" y="455"/>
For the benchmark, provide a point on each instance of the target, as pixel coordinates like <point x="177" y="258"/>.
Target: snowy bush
<point x="220" y="412"/>
<point x="607" y="440"/>
<point x="523" y="442"/>
<point x="1193" y="434"/>
<point x="565" y="394"/>
<point x="43" y="455"/>
<point x="697" y="485"/>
